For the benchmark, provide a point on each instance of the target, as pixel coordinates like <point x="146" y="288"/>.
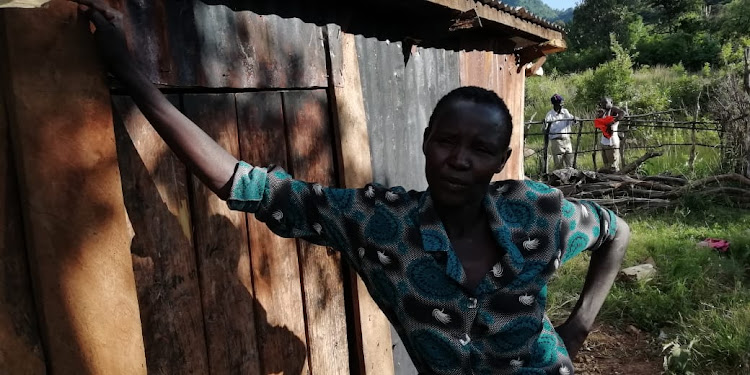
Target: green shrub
<point x="614" y="78"/>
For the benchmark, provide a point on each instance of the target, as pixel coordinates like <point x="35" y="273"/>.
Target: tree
<point x="594" y="20"/>
<point x="733" y="21"/>
<point x="672" y="12"/>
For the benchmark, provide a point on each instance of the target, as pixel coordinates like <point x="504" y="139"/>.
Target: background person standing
<point x="558" y="123"/>
<point x="611" y="145"/>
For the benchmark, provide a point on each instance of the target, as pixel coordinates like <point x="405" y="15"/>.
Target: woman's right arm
<point x="211" y="163"/>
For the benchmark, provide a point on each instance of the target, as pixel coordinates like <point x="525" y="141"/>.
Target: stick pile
<point x="623" y="193"/>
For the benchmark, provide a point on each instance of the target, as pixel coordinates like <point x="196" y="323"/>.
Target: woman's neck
<point x="462" y="220"/>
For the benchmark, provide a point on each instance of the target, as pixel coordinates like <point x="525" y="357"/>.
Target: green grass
<point x="697" y="293"/>
<point x="674" y="160"/>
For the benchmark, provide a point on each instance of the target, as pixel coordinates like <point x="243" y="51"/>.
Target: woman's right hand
<point x="110" y="39"/>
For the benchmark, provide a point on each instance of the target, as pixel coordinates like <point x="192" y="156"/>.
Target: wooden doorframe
<point x="371" y="328"/>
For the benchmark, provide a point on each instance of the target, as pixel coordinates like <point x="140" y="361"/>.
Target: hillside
<point x="542" y="10"/>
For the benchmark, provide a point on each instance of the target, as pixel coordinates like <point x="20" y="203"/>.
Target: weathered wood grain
<point x="77" y="234"/>
<point x="310" y="136"/>
<point x="280" y="317"/>
<point x="20" y="343"/>
<point x="208" y="44"/>
<point x="221" y="245"/>
<point x="350" y="119"/>
<point x="489" y="13"/>
<point x="154" y="185"/>
<point x="500" y="74"/>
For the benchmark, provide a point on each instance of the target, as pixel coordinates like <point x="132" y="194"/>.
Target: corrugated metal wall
<point x="399" y="98"/>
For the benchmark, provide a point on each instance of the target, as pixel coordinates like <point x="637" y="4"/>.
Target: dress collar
<point x="435" y="237"/>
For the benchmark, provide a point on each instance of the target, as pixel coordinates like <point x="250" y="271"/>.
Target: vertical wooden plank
<point x="210" y="44"/>
<point x="371" y="325"/>
<point x="76" y="226"/>
<point x="517" y="87"/>
<point x="746" y="76"/>
<point x="20" y="343"/>
<point x="500" y="74"/>
<point x="311" y="159"/>
<point x="595" y="148"/>
<point x="280" y="319"/>
<point x="221" y="245"/>
<point x="154" y="185"/>
<point x="153" y="30"/>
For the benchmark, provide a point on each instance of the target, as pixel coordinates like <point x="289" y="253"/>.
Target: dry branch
<point x="634" y="165"/>
<point x="624" y="192"/>
<point x="667" y="179"/>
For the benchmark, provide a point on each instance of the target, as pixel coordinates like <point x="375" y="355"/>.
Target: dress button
<point x="466" y="340"/>
<point x="472" y="303"/>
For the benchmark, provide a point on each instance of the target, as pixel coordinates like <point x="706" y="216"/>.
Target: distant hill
<point x="565" y="16"/>
<point x="542" y="10"/>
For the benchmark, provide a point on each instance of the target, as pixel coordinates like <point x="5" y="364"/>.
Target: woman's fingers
<point x="108" y="12"/>
<point x="98" y="19"/>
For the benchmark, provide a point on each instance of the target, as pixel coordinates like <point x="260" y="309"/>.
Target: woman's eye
<point x="447" y="141"/>
<point x="485" y="150"/>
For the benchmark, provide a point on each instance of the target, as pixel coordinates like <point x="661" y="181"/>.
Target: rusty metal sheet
<point x="208" y="44"/>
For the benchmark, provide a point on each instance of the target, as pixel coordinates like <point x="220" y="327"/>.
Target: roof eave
<point x="490" y="15"/>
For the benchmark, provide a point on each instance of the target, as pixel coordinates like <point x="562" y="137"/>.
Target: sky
<point x="561" y="4"/>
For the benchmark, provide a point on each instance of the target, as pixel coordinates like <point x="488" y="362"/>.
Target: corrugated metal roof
<point x="522" y="13"/>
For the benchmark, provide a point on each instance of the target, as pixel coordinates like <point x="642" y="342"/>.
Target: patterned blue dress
<point x="398" y="245"/>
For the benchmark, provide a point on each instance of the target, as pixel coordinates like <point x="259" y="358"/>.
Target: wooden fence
<point x="628" y="131"/>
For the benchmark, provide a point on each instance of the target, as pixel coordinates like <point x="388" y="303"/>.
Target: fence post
<point x="545" y="164"/>
<point x="578" y="143"/>
<point x="623" y="140"/>
<point x="593" y="154"/>
<point x="747" y="90"/>
<point x="747" y="70"/>
<point x="691" y="161"/>
<point x="624" y="132"/>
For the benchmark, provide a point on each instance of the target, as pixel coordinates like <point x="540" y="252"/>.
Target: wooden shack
<point x="115" y="260"/>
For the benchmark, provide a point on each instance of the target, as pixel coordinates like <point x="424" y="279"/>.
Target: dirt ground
<point x="613" y="351"/>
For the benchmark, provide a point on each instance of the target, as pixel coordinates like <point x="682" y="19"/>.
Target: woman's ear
<point x="425" y="136"/>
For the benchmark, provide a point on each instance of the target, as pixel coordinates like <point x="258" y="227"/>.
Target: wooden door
<point x="230" y="296"/>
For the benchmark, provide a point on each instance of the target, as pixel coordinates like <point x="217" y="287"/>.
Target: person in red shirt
<point x="611" y="144"/>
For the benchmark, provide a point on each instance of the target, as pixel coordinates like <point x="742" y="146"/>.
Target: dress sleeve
<point x="294" y="208"/>
<point x="584" y="226"/>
